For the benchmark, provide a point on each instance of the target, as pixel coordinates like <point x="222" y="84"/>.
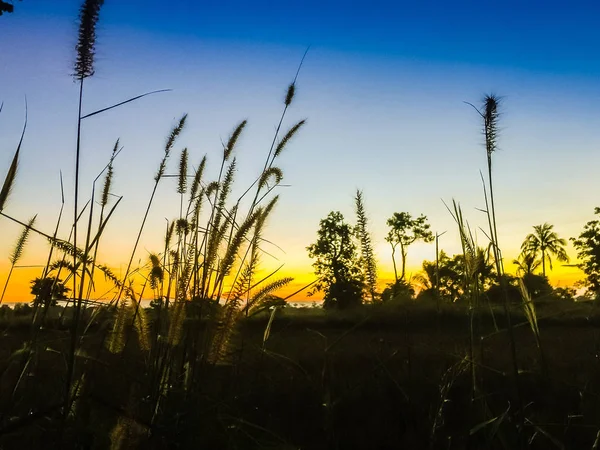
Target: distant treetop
<point x="6" y="7"/>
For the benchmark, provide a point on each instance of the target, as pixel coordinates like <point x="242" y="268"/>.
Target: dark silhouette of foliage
<point x="564" y="293"/>
<point x="537" y="285"/>
<point x="367" y="256"/>
<point x="527" y="262"/>
<point x="545" y="243"/>
<point x="398" y="291"/>
<point x="450" y="271"/>
<point x="507" y="288"/>
<point x="337" y="263"/>
<point x="588" y="252"/>
<point x="48" y="291"/>
<point x="6" y="7"/>
<point x="404" y="231"/>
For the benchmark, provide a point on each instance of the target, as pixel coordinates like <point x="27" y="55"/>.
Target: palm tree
<point x="546" y="243"/>
<point x="527" y="262"/>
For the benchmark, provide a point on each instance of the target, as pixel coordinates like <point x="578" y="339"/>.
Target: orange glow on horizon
<point x="19" y="287"/>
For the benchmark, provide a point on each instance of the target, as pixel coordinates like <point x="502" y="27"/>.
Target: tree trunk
<point x="544" y="261"/>
<point x="394" y="262"/>
<point x="403" y="252"/>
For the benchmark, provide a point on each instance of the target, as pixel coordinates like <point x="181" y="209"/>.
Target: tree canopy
<point x="545" y="243"/>
<point x="337" y="263"/>
<point x="404" y="231"/>
<point x="6" y="7"/>
<point x="588" y="252"/>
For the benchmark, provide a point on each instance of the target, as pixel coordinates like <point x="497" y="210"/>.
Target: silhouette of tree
<point x="404" y="231"/>
<point x="449" y="274"/>
<point x="6" y="7"/>
<point x="367" y="256"/>
<point x="545" y="242"/>
<point x="588" y="252"/>
<point x="537" y="285"/>
<point x="484" y="267"/>
<point x="337" y="263"/>
<point x="398" y="291"/>
<point x="527" y="263"/>
<point x="48" y="291"/>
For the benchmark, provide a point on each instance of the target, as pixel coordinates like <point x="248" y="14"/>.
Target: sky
<point x="382" y="88"/>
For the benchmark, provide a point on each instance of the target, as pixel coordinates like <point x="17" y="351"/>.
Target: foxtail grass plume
<point x="20" y="244"/>
<point x="108" y="177"/>
<point x="233" y="139"/>
<point x="169" y="234"/>
<point x="9" y="181"/>
<point x="18" y="252"/>
<point x="182" y="181"/>
<point x="211" y="188"/>
<point x="11" y="175"/>
<point x="176" y="131"/>
<point x="490" y="120"/>
<point x="197" y="178"/>
<point x="292" y="131"/>
<point x="289" y="96"/>
<point x="272" y="172"/>
<point x="88" y="19"/>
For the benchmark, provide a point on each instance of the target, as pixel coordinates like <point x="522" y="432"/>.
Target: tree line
<point x="346" y="267"/>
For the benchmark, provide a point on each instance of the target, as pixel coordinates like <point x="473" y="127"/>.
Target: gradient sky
<point x="382" y="88"/>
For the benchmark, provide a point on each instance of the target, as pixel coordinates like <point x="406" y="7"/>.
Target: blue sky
<point x="382" y="88"/>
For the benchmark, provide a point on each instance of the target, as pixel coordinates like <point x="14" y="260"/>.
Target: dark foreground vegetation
<point x="477" y="359"/>
<point x="382" y="376"/>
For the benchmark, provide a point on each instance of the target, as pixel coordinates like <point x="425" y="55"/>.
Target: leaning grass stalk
<point x="11" y="175"/>
<point x="17" y="253"/>
<point x="212" y="227"/>
<point x="170" y="141"/>
<point x="104" y="201"/>
<point x="35" y="329"/>
<point x="291" y="91"/>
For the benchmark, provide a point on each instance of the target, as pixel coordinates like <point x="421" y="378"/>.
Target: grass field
<point x="377" y="377"/>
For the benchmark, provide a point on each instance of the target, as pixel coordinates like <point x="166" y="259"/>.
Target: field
<point x="193" y="341"/>
<point x="377" y="377"/>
